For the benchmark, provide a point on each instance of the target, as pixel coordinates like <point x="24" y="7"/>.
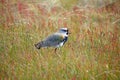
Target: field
<point x="92" y="51"/>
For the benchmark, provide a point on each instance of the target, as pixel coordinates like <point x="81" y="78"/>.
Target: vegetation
<point x="91" y="53"/>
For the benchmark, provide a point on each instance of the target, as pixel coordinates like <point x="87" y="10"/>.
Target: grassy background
<point x="91" y="53"/>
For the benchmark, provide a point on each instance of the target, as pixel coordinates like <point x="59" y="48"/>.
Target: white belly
<point x="61" y="44"/>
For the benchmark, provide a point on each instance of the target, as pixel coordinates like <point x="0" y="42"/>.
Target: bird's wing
<point x="53" y="40"/>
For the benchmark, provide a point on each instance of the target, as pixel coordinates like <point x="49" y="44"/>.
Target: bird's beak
<point x="69" y="33"/>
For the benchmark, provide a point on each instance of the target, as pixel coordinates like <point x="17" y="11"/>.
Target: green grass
<point x="91" y="53"/>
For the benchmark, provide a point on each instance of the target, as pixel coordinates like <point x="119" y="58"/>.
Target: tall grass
<point x="91" y="53"/>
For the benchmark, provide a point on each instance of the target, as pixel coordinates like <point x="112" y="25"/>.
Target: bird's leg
<point x="55" y="50"/>
<point x="57" y="53"/>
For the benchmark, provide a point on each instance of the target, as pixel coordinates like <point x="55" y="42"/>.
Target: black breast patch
<point x="65" y="39"/>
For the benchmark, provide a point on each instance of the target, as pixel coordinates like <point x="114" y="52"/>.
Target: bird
<point x="56" y="40"/>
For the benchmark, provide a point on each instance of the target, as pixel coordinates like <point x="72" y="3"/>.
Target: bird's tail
<point x="38" y="45"/>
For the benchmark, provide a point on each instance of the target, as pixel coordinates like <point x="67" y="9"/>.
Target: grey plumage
<point x="55" y="40"/>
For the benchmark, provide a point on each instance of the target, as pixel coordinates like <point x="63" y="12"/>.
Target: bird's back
<point x="55" y="40"/>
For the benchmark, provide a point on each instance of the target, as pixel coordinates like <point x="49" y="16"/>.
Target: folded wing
<point x="53" y="40"/>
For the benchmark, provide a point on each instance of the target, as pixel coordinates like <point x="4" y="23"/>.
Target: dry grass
<point x="91" y="53"/>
